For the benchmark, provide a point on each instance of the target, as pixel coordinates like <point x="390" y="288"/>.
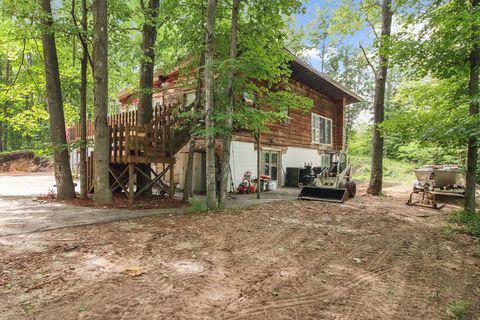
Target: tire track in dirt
<point x="418" y="292"/>
<point x="313" y="298"/>
<point x="381" y="292"/>
<point x="373" y="272"/>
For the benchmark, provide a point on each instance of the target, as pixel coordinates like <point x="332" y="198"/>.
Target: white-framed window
<point x="157" y="101"/>
<point x="321" y="129"/>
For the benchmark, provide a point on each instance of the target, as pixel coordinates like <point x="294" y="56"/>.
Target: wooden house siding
<point x="297" y="132"/>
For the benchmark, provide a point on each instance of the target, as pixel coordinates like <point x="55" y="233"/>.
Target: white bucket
<point x="273" y="185"/>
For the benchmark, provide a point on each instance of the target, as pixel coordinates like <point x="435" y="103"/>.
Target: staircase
<point x="130" y="145"/>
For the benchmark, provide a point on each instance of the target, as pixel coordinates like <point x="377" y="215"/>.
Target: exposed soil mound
<point x="23" y="161"/>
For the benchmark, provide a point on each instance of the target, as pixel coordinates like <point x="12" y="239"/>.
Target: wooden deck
<point x="132" y="145"/>
<point x="157" y="142"/>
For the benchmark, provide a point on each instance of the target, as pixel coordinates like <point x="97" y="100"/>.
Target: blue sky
<point x="304" y="19"/>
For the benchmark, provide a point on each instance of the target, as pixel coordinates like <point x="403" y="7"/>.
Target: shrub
<point x="470" y="222"/>
<point x="459" y="310"/>
<point x="197" y="205"/>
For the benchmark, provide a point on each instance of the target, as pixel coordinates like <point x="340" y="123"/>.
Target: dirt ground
<point x="370" y="258"/>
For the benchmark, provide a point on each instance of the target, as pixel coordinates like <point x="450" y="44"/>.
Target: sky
<point x="304" y="19"/>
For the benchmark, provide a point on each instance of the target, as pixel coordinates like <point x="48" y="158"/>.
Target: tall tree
<point x="103" y="193"/>
<point x="376" y="176"/>
<point x="188" y="184"/>
<point x="147" y="64"/>
<point x="63" y="175"/>
<point x="473" y="91"/>
<point x="209" y="105"/>
<point x="83" y="105"/>
<point x="149" y="36"/>
<point x="228" y="127"/>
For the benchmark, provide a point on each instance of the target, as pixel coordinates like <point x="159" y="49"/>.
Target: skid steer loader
<point x="332" y="184"/>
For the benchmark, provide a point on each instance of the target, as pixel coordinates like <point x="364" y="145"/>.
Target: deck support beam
<point x="131" y="181"/>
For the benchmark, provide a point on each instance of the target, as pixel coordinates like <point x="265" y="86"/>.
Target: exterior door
<point x="271" y="164"/>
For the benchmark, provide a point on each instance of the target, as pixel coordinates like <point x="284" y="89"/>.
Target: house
<point x="304" y="138"/>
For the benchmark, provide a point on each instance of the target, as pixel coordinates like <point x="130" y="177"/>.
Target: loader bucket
<point x="324" y="194"/>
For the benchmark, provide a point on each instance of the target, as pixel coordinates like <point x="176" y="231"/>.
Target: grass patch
<point x="394" y="170"/>
<point x="459" y="310"/>
<point x="469" y="222"/>
<point x="197" y="205"/>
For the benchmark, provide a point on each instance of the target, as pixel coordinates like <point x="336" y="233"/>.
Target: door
<point x="271" y="164"/>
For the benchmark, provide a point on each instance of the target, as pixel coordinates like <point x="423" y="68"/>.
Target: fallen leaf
<point x="134" y="271"/>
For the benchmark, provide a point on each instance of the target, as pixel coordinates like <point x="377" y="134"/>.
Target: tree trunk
<point x="227" y="139"/>
<point x="103" y="193"/>
<point x="376" y="177"/>
<point x="149" y="36"/>
<point x="145" y="108"/>
<point x="188" y="183"/>
<point x="209" y="93"/>
<point x="473" y="90"/>
<point x="259" y="163"/>
<point x="83" y="108"/>
<point x="63" y="174"/>
<point x="8" y="73"/>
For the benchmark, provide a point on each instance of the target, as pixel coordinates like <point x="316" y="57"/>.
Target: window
<point x="321" y="129"/>
<point x="158" y="101"/>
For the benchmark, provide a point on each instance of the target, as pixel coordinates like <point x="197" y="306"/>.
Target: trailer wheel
<point x="351" y="188"/>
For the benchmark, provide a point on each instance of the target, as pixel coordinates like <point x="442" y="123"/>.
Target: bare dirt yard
<point x="370" y="258"/>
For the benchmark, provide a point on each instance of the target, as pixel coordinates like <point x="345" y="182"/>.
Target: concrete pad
<point x="19" y="213"/>
<point x="26" y="185"/>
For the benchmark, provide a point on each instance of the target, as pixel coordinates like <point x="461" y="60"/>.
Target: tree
<point x="149" y="35"/>
<point x="228" y="129"/>
<point x="473" y="91"/>
<point x="83" y="105"/>
<point x="103" y="193"/>
<point x="188" y="184"/>
<point x="63" y="175"/>
<point x="443" y="98"/>
<point x="376" y="177"/>
<point x="145" y="108"/>
<point x="209" y="104"/>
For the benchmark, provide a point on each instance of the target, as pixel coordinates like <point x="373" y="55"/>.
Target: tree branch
<point x="18" y="72"/>
<point x="368" y="61"/>
<point x="81" y="35"/>
<point x="370" y="23"/>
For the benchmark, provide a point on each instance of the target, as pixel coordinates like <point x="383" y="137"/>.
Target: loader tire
<point x="352" y="189"/>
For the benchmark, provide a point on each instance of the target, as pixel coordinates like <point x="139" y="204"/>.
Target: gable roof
<point x="309" y="76"/>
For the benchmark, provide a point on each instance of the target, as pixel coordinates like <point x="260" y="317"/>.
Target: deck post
<point x="131" y="181"/>
<point x="172" y="177"/>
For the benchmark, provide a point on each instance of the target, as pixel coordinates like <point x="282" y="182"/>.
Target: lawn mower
<point x="246" y="186"/>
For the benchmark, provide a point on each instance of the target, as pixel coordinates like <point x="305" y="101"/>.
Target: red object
<point x="246" y="186"/>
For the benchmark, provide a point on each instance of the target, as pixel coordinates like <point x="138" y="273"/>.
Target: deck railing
<point x="155" y="142"/>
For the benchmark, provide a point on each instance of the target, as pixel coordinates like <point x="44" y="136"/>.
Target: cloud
<point x="311" y="54"/>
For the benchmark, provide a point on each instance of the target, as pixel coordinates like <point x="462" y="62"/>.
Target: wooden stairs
<point x="131" y="146"/>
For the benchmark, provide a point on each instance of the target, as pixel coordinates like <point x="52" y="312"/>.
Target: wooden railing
<point x="155" y="142"/>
